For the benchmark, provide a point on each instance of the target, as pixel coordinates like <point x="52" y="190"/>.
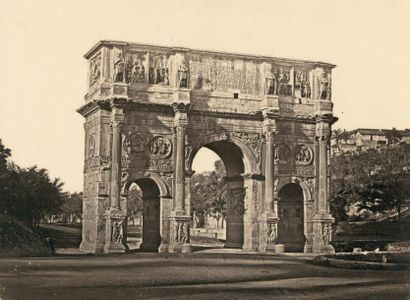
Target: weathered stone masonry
<point x="148" y="111"/>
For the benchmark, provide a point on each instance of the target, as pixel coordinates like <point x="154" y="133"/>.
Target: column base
<point x="263" y="233"/>
<point x="322" y="233"/>
<point x="327" y="249"/>
<point x="179" y="241"/>
<point x="279" y="248"/>
<point x="116" y="248"/>
<point x="89" y="247"/>
<point x="163" y="248"/>
<point x="149" y="247"/>
<point x="233" y="245"/>
<point x="116" y="237"/>
<point x="268" y="233"/>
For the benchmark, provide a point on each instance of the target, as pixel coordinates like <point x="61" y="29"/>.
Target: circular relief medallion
<point x="133" y="144"/>
<point x="91" y="147"/>
<point x="303" y="154"/>
<point x="282" y="154"/>
<point x="160" y="147"/>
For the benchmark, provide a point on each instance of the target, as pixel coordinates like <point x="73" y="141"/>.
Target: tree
<point x="393" y="136"/>
<point x="209" y="193"/>
<point x="5" y="153"/>
<point x="27" y="193"/>
<point x="134" y="203"/>
<point x="376" y="180"/>
<point x="385" y="191"/>
<point x="336" y="135"/>
<point x="345" y="135"/>
<point x="72" y="207"/>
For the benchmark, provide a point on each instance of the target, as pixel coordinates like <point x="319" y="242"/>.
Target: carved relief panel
<point x="145" y="152"/>
<point x="296" y="160"/>
<point x="159" y="68"/>
<point x="222" y="74"/>
<point x="91" y="146"/>
<point x="135" y="68"/>
<point x="283" y="154"/>
<point x="303" y="154"/>
<point x="133" y="144"/>
<point x="160" y="147"/>
<point x="95" y="69"/>
<point x="302" y="83"/>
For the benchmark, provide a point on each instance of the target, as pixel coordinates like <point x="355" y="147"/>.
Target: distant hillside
<point x="17" y="239"/>
<point x="370" y="235"/>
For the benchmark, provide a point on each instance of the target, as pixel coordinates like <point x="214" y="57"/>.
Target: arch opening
<point x="218" y="216"/>
<point x="143" y="204"/>
<point x="291" y="218"/>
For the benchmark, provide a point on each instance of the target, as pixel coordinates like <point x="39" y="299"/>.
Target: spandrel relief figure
<point x="183" y="75"/>
<point x="127" y="146"/>
<point x="119" y="66"/>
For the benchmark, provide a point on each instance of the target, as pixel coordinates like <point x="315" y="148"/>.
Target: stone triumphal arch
<point x="148" y="111"/>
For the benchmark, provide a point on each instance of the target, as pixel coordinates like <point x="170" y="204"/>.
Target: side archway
<point x="156" y="206"/>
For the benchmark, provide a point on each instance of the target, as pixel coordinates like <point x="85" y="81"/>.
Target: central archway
<point x="291" y="220"/>
<point x="233" y="160"/>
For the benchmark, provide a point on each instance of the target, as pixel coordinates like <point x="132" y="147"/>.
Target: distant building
<point x="363" y="139"/>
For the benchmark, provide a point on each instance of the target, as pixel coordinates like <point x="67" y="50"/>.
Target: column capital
<point x="268" y="136"/>
<point x="180" y="129"/>
<point x="326" y="118"/>
<point x="180" y="107"/>
<point x="116" y="124"/>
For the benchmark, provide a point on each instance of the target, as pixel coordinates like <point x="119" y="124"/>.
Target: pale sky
<point x="43" y="73"/>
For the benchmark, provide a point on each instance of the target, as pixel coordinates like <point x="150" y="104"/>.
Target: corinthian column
<point x="323" y="141"/>
<point x="322" y="218"/>
<point x="179" y="221"/>
<point x="180" y="130"/>
<point x="115" y="164"/>
<point x="115" y="226"/>
<point x="269" y="189"/>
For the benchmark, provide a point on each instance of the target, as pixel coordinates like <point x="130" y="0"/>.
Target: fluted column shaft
<point x="115" y="164"/>
<point x="269" y="188"/>
<point x="180" y="168"/>
<point x="323" y="171"/>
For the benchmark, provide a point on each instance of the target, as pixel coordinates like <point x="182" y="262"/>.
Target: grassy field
<point x="346" y="236"/>
<point x="69" y="236"/>
<point x="370" y="235"/>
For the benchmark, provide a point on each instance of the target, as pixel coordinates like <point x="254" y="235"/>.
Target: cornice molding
<point x="261" y="58"/>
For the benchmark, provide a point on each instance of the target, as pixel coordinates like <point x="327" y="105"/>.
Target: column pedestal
<point x="179" y="241"/>
<point x="115" y="232"/>
<point x="322" y="233"/>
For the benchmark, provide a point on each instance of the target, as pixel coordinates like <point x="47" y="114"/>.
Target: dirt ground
<point x="193" y="276"/>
